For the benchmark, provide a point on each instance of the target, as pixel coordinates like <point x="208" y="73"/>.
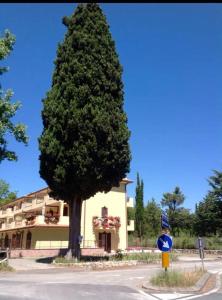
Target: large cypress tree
<point x="84" y="144"/>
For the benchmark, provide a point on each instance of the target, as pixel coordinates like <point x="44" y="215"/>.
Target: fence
<point x="16" y="244"/>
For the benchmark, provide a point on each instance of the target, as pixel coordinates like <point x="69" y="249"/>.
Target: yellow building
<point x="39" y="222"/>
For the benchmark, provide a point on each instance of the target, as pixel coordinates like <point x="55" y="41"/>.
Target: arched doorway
<point x="16" y="240"/>
<point x="105" y="241"/>
<point x="28" y="240"/>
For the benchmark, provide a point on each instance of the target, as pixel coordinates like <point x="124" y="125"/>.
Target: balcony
<point x="34" y="218"/>
<point x="51" y="218"/>
<point x="106" y="223"/>
<point x="130" y="225"/>
<point x="64" y="220"/>
<point x="10" y="225"/>
<point x="32" y="204"/>
<point x="50" y="201"/>
<point x="6" y="212"/>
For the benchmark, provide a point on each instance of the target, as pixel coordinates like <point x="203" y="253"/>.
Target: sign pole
<point x="165" y="242"/>
<point x="165" y="260"/>
<point x="201" y="251"/>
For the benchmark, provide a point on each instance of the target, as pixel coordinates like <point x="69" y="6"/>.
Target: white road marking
<point x="170" y="296"/>
<point x="148" y="296"/>
<point x="139" y="277"/>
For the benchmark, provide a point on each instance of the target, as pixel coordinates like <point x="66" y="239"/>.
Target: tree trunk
<point x="75" y="207"/>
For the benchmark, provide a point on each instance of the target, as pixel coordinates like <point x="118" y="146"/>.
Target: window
<point x="65" y="211"/>
<point x="104" y="212"/>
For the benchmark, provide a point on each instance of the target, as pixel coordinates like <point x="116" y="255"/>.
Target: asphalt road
<point x="59" y="284"/>
<point x="60" y="291"/>
<point x="216" y="296"/>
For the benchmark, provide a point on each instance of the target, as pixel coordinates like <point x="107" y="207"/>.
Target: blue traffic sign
<point x="164" y="221"/>
<point x="164" y="242"/>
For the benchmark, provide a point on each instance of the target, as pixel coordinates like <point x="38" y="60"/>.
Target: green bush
<point x="118" y="255"/>
<point x="184" y="242"/>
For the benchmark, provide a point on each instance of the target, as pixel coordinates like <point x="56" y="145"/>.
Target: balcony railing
<point x="51" y="219"/>
<point x="10" y="225"/>
<point x="36" y="202"/>
<point x="108" y="222"/>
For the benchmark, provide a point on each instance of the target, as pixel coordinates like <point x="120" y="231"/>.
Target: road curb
<point x="201" y="283"/>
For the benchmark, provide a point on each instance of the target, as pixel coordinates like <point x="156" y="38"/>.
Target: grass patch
<point x="143" y="256"/>
<point x="173" y="278"/>
<point x="4" y="267"/>
<point x="119" y="256"/>
<point x="147" y="257"/>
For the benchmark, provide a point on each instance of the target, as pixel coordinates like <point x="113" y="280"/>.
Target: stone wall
<point x="180" y="251"/>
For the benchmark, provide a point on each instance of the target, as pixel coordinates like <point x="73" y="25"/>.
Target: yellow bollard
<point x="165" y="260"/>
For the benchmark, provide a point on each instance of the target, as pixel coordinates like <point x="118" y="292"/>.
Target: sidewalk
<point x="45" y="263"/>
<point x="24" y="264"/>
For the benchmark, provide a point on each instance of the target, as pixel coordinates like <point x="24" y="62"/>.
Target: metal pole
<point x="201" y="251"/>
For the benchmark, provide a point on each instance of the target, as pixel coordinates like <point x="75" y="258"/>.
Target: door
<point x="105" y="241"/>
<point x="28" y="240"/>
<point x="18" y="240"/>
<point x="13" y="241"/>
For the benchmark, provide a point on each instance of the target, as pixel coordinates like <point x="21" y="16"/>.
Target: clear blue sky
<point x="172" y="60"/>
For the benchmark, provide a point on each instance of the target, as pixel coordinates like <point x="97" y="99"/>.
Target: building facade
<point x="37" y="221"/>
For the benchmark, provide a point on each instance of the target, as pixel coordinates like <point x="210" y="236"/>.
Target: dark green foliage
<point x="208" y="218"/>
<point x="139" y="208"/>
<point x="130" y="213"/>
<point x="152" y="217"/>
<point x="172" y="201"/>
<point x="185" y="221"/>
<point x="84" y="144"/>
<point x="216" y="184"/>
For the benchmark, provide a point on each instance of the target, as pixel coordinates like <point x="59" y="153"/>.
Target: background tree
<point x="5" y="194"/>
<point x="139" y="208"/>
<point x="84" y="144"/>
<point x="130" y="213"/>
<point x="184" y="220"/>
<point x="216" y="184"/>
<point x="173" y="201"/>
<point x="8" y="109"/>
<point x="208" y="219"/>
<point x="152" y="219"/>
